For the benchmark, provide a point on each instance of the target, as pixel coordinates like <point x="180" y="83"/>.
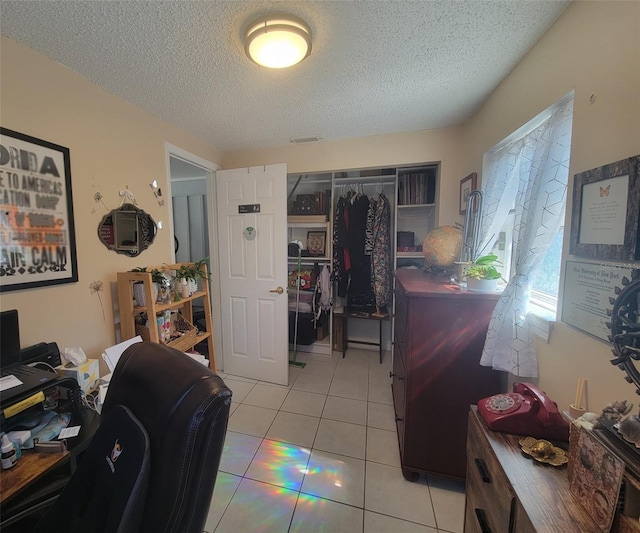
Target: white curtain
<point x="528" y="174"/>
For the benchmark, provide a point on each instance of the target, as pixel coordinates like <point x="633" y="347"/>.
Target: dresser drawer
<point x="490" y="500"/>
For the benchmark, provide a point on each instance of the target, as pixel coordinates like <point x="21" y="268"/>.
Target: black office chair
<point x="162" y="401"/>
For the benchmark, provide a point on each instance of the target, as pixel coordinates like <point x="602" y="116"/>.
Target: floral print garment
<point x="378" y="245"/>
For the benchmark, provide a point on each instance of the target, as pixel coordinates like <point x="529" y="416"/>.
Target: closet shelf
<point x="309" y="260"/>
<point x="365" y="180"/>
<point x="415" y="206"/>
<point x="306" y="220"/>
<point x="410" y="255"/>
<point x="322" y="225"/>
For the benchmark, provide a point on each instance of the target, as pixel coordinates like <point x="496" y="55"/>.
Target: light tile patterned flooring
<point x="321" y="455"/>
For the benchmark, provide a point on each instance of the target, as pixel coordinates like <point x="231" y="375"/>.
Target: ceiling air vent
<point x="310" y="139"/>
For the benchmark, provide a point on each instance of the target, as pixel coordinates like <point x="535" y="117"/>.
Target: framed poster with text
<point x="37" y="235"/>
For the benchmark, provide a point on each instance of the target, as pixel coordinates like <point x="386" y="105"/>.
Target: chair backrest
<point x="184" y="407"/>
<point x="108" y="491"/>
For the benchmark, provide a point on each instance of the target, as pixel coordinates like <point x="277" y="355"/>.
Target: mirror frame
<point x="127" y="230"/>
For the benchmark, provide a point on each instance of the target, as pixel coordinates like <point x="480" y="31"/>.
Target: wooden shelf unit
<point x="129" y="311"/>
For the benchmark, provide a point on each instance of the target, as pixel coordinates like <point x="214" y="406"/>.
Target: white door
<point x="252" y="237"/>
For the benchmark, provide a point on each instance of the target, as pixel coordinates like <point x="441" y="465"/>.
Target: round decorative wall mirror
<point x="625" y="332"/>
<point x="127" y="230"/>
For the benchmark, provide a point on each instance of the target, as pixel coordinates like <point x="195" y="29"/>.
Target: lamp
<point x="277" y="41"/>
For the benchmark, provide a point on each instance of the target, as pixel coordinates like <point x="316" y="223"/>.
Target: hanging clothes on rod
<point x="352" y="266"/>
<point x="341" y="259"/>
<point x="378" y="246"/>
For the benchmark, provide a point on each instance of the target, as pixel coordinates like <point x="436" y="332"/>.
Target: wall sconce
<point x="278" y="41"/>
<point x="157" y="192"/>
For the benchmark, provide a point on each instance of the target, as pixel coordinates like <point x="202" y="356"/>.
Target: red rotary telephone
<point x="527" y="411"/>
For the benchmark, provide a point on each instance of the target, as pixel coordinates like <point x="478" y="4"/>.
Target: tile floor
<point x="322" y="455"/>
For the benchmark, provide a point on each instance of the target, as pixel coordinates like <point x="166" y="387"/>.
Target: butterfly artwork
<point x="604" y="191"/>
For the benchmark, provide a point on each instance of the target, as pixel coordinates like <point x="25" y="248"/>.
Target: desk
<point x="18" y="483"/>
<point x="29" y="468"/>
<point x="341" y="321"/>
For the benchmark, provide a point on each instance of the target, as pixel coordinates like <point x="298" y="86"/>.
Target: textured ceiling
<point x="376" y="66"/>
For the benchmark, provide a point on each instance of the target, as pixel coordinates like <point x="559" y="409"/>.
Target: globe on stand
<point x="441" y="248"/>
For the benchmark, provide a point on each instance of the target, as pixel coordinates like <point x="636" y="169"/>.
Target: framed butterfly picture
<point x="606" y="212"/>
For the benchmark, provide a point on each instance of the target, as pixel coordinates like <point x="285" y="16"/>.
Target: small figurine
<point x="614" y="411"/>
<point x="630" y="429"/>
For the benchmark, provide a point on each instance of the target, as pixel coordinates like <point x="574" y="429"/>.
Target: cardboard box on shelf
<point x="85" y="374"/>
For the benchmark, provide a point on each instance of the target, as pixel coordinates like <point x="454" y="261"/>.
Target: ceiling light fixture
<point x="277" y="41"/>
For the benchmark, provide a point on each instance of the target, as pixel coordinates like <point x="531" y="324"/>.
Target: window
<point x="524" y="195"/>
<point x="507" y="156"/>
<point x="546" y="279"/>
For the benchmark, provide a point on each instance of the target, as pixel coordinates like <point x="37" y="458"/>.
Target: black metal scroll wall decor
<point x="625" y="328"/>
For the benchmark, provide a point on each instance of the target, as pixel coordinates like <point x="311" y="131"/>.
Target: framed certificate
<point x="606" y="212"/>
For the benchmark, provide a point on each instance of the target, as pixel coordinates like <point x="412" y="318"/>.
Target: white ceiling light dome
<point x="278" y="41"/>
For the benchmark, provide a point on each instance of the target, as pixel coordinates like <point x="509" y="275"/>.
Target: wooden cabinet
<point x="130" y="312"/>
<point x="438" y="338"/>
<point x="509" y="492"/>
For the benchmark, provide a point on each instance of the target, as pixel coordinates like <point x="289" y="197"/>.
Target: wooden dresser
<point x="439" y="333"/>
<point x="508" y="492"/>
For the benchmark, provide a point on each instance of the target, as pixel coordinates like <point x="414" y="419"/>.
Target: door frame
<point x="214" y="293"/>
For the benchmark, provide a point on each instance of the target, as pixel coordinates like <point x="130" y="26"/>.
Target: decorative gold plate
<point x="543" y="451"/>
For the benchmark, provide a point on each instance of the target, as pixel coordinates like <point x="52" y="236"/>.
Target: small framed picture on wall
<point x="467" y="185"/>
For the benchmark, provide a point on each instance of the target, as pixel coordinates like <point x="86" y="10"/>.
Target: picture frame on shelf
<point x="317" y="243"/>
<point x="467" y="184"/>
<point x="596" y="478"/>
<point x="38" y="244"/>
<point x="605" y="218"/>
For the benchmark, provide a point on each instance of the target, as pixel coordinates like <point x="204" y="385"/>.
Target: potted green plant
<point x="159" y="282"/>
<point x="482" y="275"/>
<point x="191" y="273"/>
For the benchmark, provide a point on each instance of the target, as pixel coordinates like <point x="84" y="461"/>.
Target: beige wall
<point x="441" y="145"/>
<point x="112" y="145"/>
<point x="593" y="48"/>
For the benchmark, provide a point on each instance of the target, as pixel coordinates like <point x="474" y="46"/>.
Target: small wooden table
<point x="341" y="321"/>
<point x="31" y="473"/>
<point x="29" y="468"/>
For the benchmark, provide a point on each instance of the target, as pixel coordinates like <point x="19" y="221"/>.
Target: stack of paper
<point x="198" y="357"/>
<point x="112" y="355"/>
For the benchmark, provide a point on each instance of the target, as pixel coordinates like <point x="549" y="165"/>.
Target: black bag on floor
<point x="306" y="331"/>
